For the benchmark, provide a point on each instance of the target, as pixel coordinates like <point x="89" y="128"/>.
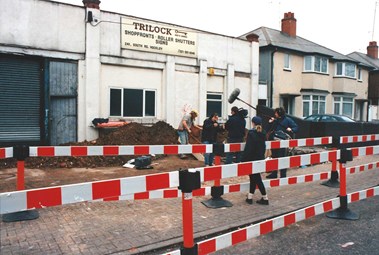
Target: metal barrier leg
<point x="216" y="192"/>
<point x="343" y="212"/>
<point x="20" y="152"/>
<point x="333" y="181"/>
<point x="188" y="181"/>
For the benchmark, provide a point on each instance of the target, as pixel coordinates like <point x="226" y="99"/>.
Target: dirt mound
<point x="137" y="134"/>
<point x="131" y="134"/>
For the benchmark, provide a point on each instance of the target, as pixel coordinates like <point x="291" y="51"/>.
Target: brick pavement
<point x="150" y="226"/>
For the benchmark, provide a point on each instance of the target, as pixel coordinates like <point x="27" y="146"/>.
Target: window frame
<point x="313" y="61"/>
<point x="143" y="102"/>
<point x="343" y="70"/>
<point x="340" y="103"/>
<point x="320" y="99"/>
<point x="359" y="74"/>
<point x="287" y="62"/>
<point x="220" y="100"/>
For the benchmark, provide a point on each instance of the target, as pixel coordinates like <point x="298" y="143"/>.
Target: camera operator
<point x="235" y="126"/>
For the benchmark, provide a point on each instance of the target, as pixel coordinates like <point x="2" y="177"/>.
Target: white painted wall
<point x="42" y="25"/>
<point x="58" y="30"/>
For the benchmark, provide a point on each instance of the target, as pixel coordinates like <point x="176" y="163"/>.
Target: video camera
<point x="243" y="112"/>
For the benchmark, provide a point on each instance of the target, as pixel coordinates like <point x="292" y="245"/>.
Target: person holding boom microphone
<point x="235" y="126"/>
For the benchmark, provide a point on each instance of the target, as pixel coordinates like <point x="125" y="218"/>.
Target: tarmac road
<point x="320" y="235"/>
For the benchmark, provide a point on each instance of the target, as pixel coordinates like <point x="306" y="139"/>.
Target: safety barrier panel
<point x="359" y="138"/>
<point x="44" y="197"/>
<point x="38" y="198"/>
<point x="337" y="142"/>
<point x="6" y="152"/>
<point x="57" y="151"/>
<point x="240" y="187"/>
<point x="265" y="227"/>
<point x="114" y="150"/>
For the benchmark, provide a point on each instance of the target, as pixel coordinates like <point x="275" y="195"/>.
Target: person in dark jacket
<point x="286" y="126"/>
<point x="235" y="126"/>
<point x="209" y="135"/>
<point x="255" y="149"/>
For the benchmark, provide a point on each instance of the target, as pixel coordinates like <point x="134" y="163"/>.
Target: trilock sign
<point x="145" y="36"/>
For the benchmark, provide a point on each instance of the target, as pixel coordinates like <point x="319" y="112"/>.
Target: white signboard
<point x="145" y="36"/>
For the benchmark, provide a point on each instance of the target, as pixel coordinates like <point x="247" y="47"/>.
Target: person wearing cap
<point x="184" y="128"/>
<point x="255" y="149"/>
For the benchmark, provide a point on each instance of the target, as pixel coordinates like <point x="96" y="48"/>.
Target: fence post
<point x="20" y="152"/>
<point x="188" y="181"/>
<point x="217" y="190"/>
<point x="333" y="181"/>
<point x="343" y="212"/>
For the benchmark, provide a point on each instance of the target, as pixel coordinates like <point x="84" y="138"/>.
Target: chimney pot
<point x="372" y="50"/>
<point x="289" y="24"/>
<point x="95" y="4"/>
<point x="252" y="37"/>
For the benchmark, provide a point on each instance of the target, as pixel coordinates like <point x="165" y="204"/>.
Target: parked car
<point x="328" y="118"/>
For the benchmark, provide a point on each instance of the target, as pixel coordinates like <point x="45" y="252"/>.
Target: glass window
<point x="287" y="61"/>
<point x="313" y="104"/>
<point x="343" y="106"/>
<point x="359" y="74"/>
<point x="345" y="69"/>
<point x="339" y="69"/>
<point x="214" y="104"/>
<point x="115" y="102"/>
<point x="132" y="102"/>
<point x="308" y="63"/>
<point x="350" y="70"/>
<point x="316" y="64"/>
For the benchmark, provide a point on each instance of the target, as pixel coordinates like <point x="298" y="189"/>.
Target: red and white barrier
<point x="265" y="227"/>
<point x="109" y="150"/>
<point x="240" y="187"/>
<point x="364" y="151"/>
<point x="299" y="142"/>
<point x="67" y="194"/>
<point x="114" y="150"/>
<point x="6" y="152"/>
<point x="53" y="196"/>
<point x="359" y="138"/>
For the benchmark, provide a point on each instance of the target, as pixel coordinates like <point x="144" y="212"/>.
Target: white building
<point x="62" y="65"/>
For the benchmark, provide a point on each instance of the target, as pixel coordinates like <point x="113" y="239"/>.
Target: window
<point x="287" y="61"/>
<point x="343" y="106"/>
<point x="359" y="74"/>
<point x="214" y="104"/>
<point x="313" y="104"/>
<point x="345" y="69"/>
<point x="132" y="102"/>
<point x="315" y="64"/>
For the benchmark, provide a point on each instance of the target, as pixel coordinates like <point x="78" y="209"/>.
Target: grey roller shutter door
<point x="20" y="93"/>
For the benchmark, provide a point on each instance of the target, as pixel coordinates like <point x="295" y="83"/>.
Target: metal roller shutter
<point x="20" y="93"/>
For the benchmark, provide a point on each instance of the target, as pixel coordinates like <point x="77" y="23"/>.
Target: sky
<point x="344" y="26"/>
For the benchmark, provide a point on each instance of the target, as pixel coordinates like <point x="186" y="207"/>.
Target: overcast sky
<point x="341" y="25"/>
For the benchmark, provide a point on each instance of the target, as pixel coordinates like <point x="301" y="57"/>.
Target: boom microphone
<point x="234" y="95"/>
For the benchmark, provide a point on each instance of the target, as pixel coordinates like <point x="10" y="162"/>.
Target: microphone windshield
<point x="234" y="95"/>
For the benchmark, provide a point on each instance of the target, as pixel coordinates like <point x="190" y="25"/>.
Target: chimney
<point x="372" y="50"/>
<point x="252" y="37"/>
<point x="289" y="24"/>
<point x="95" y="4"/>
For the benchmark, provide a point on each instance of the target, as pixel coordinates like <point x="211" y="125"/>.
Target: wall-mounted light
<point x="89" y="16"/>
